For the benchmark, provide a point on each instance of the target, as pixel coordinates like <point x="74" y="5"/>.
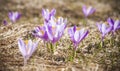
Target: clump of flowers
<point x="52" y="29"/>
<point x="55" y="30"/>
<point x="104" y="30"/>
<point x="14" y="16"/>
<point x="40" y="32"/>
<point x="76" y="36"/>
<point x="27" y="48"/>
<point x="115" y="24"/>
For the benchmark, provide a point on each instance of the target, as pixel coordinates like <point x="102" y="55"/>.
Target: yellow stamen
<point x="26" y="42"/>
<point x="27" y="48"/>
<point x="53" y="27"/>
<point x="78" y="28"/>
<point x="42" y="31"/>
<point x="58" y="16"/>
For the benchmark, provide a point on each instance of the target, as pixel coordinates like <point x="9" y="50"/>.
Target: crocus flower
<point x="40" y="32"/>
<point x="115" y="24"/>
<point x="104" y="29"/>
<point x="27" y="48"/>
<point x="5" y="22"/>
<point x="77" y="35"/>
<point x="88" y="11"/>
<point x="47" y="14"/>
<point x="14" y="16"/>
<point x="55" y="29"/>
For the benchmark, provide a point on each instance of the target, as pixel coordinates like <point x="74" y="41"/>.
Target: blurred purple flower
<point x="47" y="14"/>
<point x="115" y="24"/>
<point x="77" y="35"/>
<point x="104" y="29"/>
<point x="55" y="29"/>
<point x="40" y="32"/>
<point x="5" y="22"/>
<point x="88" y="11"/>
<point x="14" y="16"/>
<point x="27" y="48"/>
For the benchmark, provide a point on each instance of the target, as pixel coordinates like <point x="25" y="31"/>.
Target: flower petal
<point x="53" y="12"/>
<point x="29" y="47"/>
<point x="84" y="9"/>
<point x="99" y="27"/>
<point x="103" y="29"/>
<point x="71" y="33"/>
<point x="116" y="25"/>
<point x="110" y="21"/>
<point x="90" y="10"/>
<point x="83" y="35"/>
<point x="22" y="47"/>
<point x="49" y="32"/>
<point x="77" y="36"/>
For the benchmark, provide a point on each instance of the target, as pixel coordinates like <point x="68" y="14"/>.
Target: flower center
<point x="27" y="48"/>
<point x="42" y="32"/>
<point x="77" y="28"/>
<point x="53" y="29"/>
<point x="26" y="42"/>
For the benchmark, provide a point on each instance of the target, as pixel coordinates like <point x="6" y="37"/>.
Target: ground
<point x="89" y="56"/>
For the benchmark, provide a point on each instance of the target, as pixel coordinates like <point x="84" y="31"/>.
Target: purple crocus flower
<point x="47" y="14"/>
<point x="14" y="16"/>
<point x="5" y="22"/>
<point x="27" y="48"/>
<point x="88" y="11"/>
<point x="41" y="32"/>
<point x="55" y="29"/>
<point x="115" y="24"/>
<point x="103" y="29"/>
<point x="77" y="35"/>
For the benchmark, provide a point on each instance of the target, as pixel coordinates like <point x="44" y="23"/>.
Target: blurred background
<point x="70" y="9"/>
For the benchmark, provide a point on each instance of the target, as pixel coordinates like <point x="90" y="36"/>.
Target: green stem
<point x="101" y="44"/>
<point x="74" y="54"/>
<point x="48" y="48"/>
<point x="52" y="48"/>
<point x="113" y="39"/>
<point x="85" y="22"/>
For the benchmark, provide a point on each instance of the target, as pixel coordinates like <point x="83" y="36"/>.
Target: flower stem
<point x="102" y="42"/>
<point x="74" y="54"/>
<point x="25" y="62"/>
<point x="52" y="47"/>
<point x="85" y="22"/>
<point x="48" y="48"/>
<point x="112" y="39"/>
